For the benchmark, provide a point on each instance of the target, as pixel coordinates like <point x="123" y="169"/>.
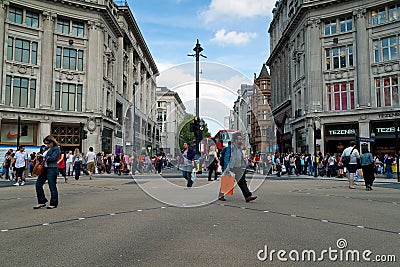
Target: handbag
<point x="346" y="158"/>
<point x="39" y="168"/>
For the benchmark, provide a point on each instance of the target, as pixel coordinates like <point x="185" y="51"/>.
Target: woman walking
<point x="352" y="154"/>
<point x="50" y="156"/>
<point x="61" y="166"/>
<point x="77" y="163"/>
<point x="188" y="163"/>
<point x="212" y="163"/>
<point x="367" y="165"/>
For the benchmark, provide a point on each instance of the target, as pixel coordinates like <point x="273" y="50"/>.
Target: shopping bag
<point x="227" y="183"/>
<point x="194" y="176"/>
<point x="360" y="173"/>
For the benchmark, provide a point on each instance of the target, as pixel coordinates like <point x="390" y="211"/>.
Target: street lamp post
<point x="198" y="50"/>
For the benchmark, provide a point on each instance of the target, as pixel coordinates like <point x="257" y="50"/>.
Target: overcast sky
<point x="233" y="34"/>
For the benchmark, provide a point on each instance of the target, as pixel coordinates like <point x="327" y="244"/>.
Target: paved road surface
<point x="111" y="221"/>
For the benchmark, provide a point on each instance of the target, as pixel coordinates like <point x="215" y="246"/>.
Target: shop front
<point x="9" y="133"/>
<point x="385" y="137"/>
<point x="338" y="136"/>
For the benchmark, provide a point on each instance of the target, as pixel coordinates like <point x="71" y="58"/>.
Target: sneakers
<point x="16" y="184"/>
<point x="22" y="183"/>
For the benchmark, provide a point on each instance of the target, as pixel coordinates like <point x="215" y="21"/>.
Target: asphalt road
<point x="115" y="221"/>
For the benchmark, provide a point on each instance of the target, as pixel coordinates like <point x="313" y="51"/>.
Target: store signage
<point x="390" y="115"/>
<point x="342" y="132"/>
<point x="367" y="140"/>
<point x="387" y="130"/>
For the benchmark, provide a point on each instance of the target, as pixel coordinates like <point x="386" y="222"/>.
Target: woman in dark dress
<point x="367" y="165"/>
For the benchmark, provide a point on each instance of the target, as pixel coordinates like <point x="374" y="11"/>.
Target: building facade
<point x="242" y="112"/>
<point x="71" y="65"/>
<point x="170" y="115"/>
<point x="262" y="122"/>
<point x="335" y="64"/>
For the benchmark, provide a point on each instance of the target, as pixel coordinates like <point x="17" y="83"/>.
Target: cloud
<point x="236" y="38"/>
<point x="218" y="89"/>
<point x="219" y="9"/>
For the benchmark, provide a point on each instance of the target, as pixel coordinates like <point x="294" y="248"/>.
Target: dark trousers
<point x="77" y="170"/>
<point x="211" y="168"/>
<point x="159" y="166"/>
<point x="7" y="170"/>
<point x="188" y="177"/>
<point x="49" y="174"/>
<point x="368" y="172"/>
<point x="242" y="183"/>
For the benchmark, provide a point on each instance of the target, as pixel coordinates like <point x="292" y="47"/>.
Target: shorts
<point x="90" y="167"/>
<point x="352" y="168"/>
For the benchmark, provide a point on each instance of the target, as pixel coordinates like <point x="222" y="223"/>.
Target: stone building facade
<point x="262" y="123"/>
<point x="170" y="115"/>
<point x="335" y="64"/>
<point x="75" y="65"/>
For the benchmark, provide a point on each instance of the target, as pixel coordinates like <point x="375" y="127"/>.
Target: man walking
<point x="90" y="157"/>
<point x="21" y="162"/>
<point x="237" y="164"/>
<point x="70" y="163"/>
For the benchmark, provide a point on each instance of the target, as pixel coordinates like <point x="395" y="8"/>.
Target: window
<point x="339" y="57"/>
<point x="159" y="115"/>
<point x="78" y="29"/>
<point x="22" y="50"/>
<point x="15" y="15"/>
<point x="63" y="26"/>
<point x="32" y="19"/>
<point x="68" y="96"/>
<point x="330" y="27"/>
<point x="20" y="91"/>
<point x="346" y="24"/>
<point x="340" y="96"/>
<point x="386" y="49"/>
<point x="394" y="13"/>
<point x="387" y="91"/>
<point x="70" y="59"/>
<point x="378" y="16"/>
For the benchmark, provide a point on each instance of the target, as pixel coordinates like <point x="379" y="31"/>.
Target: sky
<point x="233" y="34"/>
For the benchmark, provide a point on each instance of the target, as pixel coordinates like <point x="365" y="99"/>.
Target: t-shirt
<point x="20" y="159"/>
<point x="70" y="158"/>
<point x="90" y="156"/>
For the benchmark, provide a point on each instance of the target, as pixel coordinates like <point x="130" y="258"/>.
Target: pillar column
<point x="3" y="30"/>
<point x="362" y="85"/>
<point x="47" y="56"/>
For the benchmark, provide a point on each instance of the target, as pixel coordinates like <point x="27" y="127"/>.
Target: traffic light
<point x="317" y="130"/>
<point x="24" y="130"/>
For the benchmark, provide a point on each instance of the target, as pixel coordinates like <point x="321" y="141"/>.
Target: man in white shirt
<point x="20" y="162"/>
<point x="90" y="157"/>
<point x="70" y="163"/>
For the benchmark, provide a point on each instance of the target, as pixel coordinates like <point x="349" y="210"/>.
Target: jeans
<point x="389" y="171"/>
<point x="188" y="177"/>
<point x="77" y="170"/>
<point x="49" y="174"/>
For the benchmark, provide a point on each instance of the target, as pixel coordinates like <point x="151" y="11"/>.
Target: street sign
<point x="365" y="139"/>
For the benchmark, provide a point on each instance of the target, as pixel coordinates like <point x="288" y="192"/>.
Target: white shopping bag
<point x="194" y="176"/>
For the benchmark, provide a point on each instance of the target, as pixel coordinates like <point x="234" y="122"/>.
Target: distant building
<point x="72" y="63"/>
<point x="335" y="64"/>
<point x="242" y="112"/>
<point x="262" y="122"/>
<point x="170" y="115"/>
